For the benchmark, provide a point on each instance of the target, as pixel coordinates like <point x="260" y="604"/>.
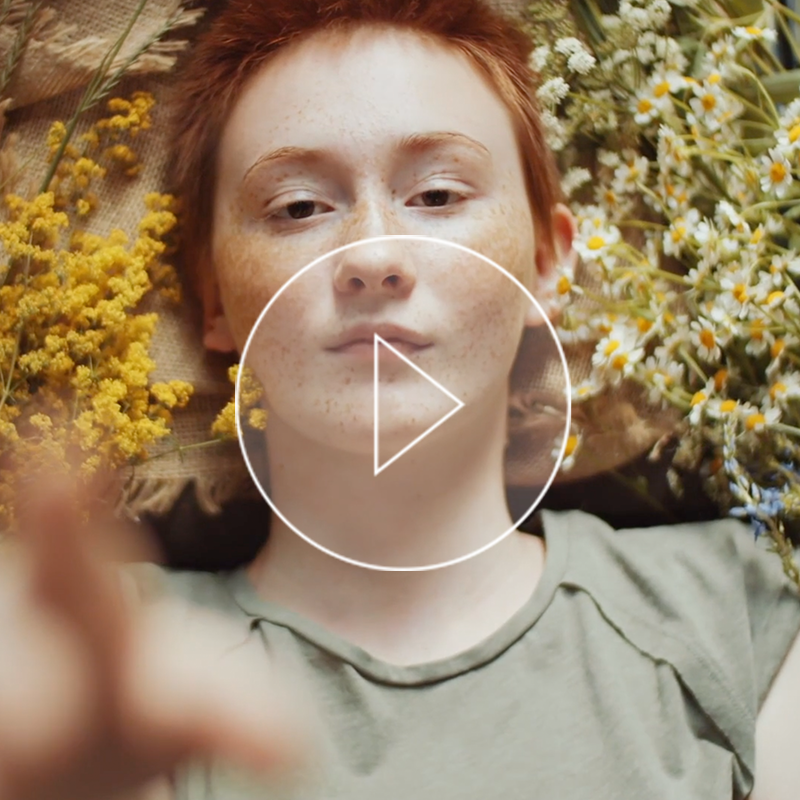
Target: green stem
<point x="4" y="9"/>
<point x="694" y="365"/>
<point x="179" y="449"/>
<point x="789" y="37"/>
<point x="18" y="46"/>
<point x="93" y="93"/>
<point x="763" y="92"/>
<point x="781" y="427"/>
<point x="784" y="10"/>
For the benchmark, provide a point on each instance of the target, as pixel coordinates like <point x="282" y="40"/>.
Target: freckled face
<point x="344" y="138"/>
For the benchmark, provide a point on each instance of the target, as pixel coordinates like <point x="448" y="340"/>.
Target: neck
<point x="442" y="500"/>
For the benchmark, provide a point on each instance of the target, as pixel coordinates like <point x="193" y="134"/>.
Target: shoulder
<point x="703" y="575"/>
<point x="197" y="588"/>
<point x="705" y="598"/>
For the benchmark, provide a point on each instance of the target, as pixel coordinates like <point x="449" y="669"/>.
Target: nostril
<point x="391" y="280"/>
<point x="357" y="283"/>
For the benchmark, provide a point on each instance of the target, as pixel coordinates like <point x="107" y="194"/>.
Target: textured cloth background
<point x="69" y="41"/>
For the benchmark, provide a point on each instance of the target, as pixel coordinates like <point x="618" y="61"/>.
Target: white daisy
<point x="777" y="176"/>
<point x="618" y="352"/>
<point x="595" y="237"/>
<point x="752" y="33"/>
<point x="784" y="388"/>
<point x="704" y="338"/>
<point x="680" y="232"/>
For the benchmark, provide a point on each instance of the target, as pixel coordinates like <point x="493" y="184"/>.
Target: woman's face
<point x="351" y="136"/>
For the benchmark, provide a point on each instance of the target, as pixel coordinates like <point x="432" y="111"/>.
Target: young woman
<point x="578" y="663"/>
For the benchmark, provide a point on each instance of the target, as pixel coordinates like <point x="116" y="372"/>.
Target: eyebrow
<point x="415" y="143"/>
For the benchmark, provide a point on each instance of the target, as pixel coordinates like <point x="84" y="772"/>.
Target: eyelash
<point x="282" y="213"/>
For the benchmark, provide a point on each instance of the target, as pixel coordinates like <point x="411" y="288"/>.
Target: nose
<point x="380" y="267"/>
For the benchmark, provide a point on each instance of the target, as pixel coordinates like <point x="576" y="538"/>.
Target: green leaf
<point x="742" y="8"/>
<point x="588" y="21"/>
<point x="783" y="87"/>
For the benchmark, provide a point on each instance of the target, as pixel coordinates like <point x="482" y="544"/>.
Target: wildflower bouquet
<point x="677" y="123"/>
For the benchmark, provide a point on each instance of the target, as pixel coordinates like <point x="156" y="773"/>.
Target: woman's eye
<point x="299" y="209"/>
<point x="436" y="198"/>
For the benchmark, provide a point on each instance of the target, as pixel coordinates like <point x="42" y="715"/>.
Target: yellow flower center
<point x="698" y="397"/>
<point x="596" y="243"/>
<point x="794" y="133"/>
<point x="644" y="105"/>
<point x="643" y="324"/>
<point x="678" y="233"/>
<point x="773" y="296"/>
<point x="753" y="30"/>
<point x="564" y="285"/>
<point x="740" y="292"/>
<point x="619" y="362"/>
<point x="707" y="338"/>
<point x="777" y="388"/>
<point x="727" y="406"/>
<point x="758" y="235"/>
<point x="709" y="102"/>
<point x="757" y="330"/>
<point x="777" y="348"/>
<point x="778" y="172"/>
<point x="611" y="347"/>
<point x="714" y="78"/>
<point x="661" y="89"/>
<point x="754" y="420"/>
<point x="572" y="443"/>
<point x="719" y="378"/>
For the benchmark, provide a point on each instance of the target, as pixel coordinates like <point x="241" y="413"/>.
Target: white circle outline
<point x="343" y="248"/>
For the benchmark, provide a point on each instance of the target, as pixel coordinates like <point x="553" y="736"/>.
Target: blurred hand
<point x="101" y="694"/>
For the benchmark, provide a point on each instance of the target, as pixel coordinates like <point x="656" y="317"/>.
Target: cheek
<point x="250" y="273"/>
<point x="507" y="239"/>
<point x="506" y="236"/>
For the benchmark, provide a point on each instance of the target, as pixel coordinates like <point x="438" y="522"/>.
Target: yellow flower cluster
<point x="74" y="361"/>
<point x="98" y="149"/>
<point x="250" y="393"/>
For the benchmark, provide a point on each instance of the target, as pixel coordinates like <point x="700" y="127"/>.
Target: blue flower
<point x="765" y="505"/>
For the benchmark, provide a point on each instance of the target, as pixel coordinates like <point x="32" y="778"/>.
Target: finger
<point x="68" y="575"/>
<point x="202" y="690"/>
<point x="44" y="696"/>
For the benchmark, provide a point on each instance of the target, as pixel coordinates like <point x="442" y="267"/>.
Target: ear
<point x="216" y="332"/>
<point x="549" y="265"/>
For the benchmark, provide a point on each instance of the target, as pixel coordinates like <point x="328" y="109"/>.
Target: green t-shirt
<point x="635" y="670"/>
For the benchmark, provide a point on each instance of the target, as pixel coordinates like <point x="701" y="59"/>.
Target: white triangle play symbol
<point x="380" y="342"/>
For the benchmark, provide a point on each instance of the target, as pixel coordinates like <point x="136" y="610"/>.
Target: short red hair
<point x="244" y="36"/>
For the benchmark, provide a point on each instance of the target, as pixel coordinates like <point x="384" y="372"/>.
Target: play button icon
<point x="349" y="379"/>
<point x="384" y="351"/>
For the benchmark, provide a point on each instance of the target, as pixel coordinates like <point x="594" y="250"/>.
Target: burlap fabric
<point x="69" y="40"/>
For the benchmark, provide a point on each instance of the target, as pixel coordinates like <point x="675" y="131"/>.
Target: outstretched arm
<point x="778" y="733"/>
<point x="100" y="697"/>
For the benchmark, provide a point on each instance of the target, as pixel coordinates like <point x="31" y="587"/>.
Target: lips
<point x="364" y="335"/>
